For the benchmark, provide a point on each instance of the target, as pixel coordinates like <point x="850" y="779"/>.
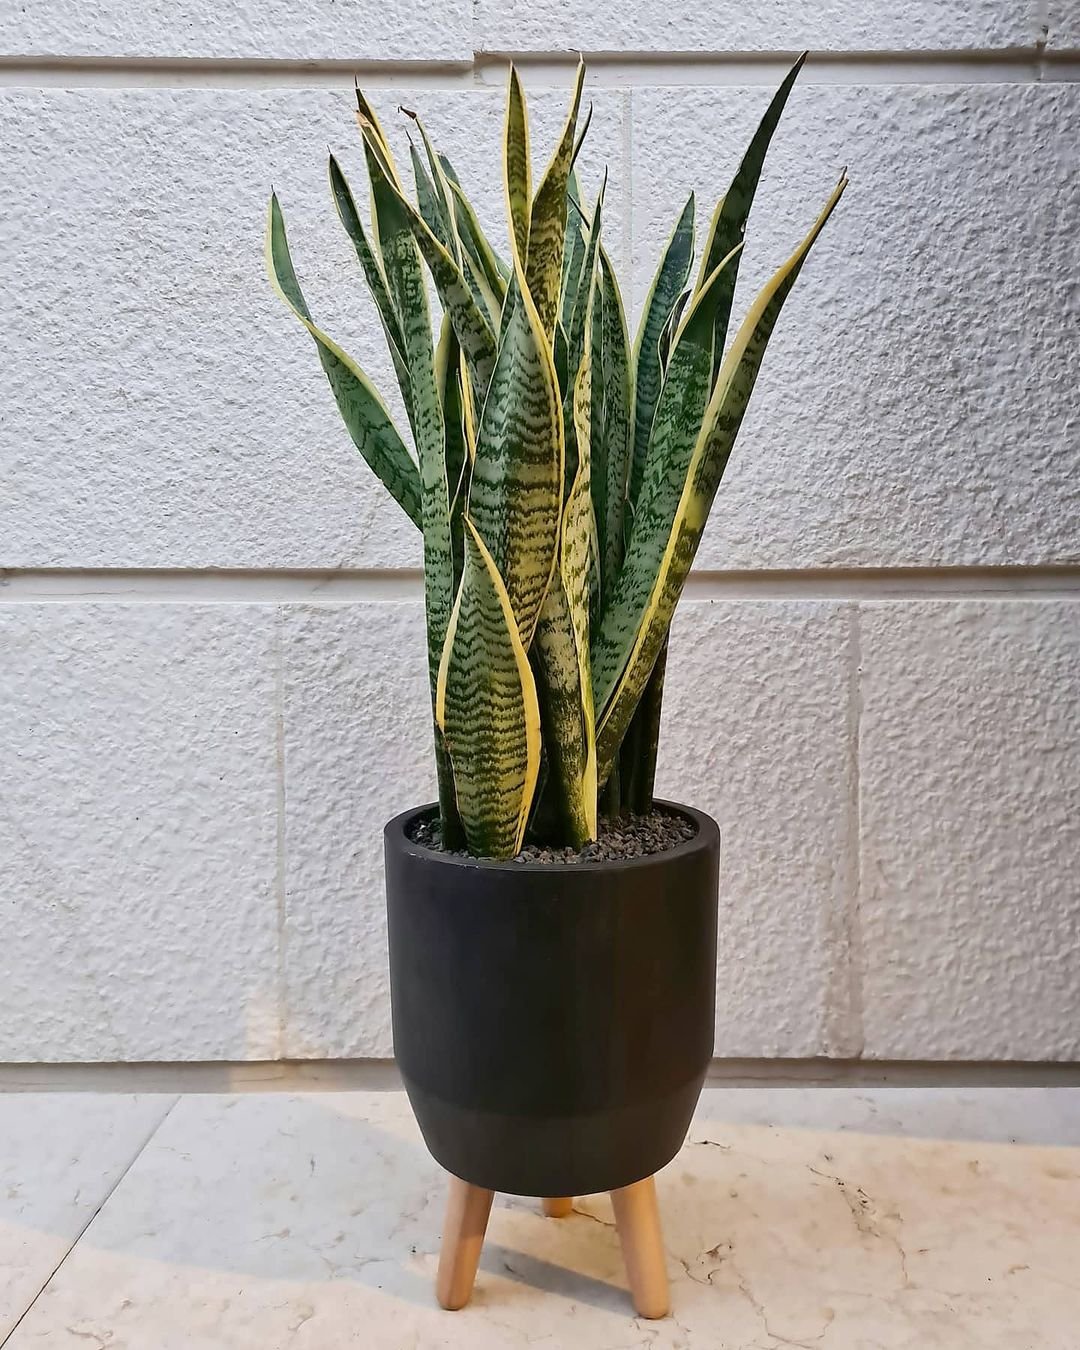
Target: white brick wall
<point x="212" y="689"/>
<point x="759" y="26"/>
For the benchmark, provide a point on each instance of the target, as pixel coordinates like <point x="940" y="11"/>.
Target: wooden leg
<point x="637" y="1216"/>
<point x="558" y="1206"/>
<point x="467" y="1210"/>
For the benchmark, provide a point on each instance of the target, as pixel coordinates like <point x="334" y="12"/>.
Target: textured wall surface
<point x="212" y="685"/>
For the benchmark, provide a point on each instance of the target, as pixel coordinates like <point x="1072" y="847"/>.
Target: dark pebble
<point x="626" y="837"/>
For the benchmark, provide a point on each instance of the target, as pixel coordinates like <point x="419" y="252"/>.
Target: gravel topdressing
<point x="627" y="837"/>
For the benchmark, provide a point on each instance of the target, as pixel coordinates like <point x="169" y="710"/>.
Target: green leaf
<point x="488" y="301"/>
<point x="487" y="710"/>
<point x="473" y="238"/>
<point x="440" y="189"/>
<point x="667" y="335"/>
<point x="441" y="207"/>
<point x="362" y="410"/>
<point x="729" y="219"/>
<point x="473" y="331"/>
<point x="486" y="263"/>
<point x="594" y="358"/>
<point x="581" y="137"/>
<point x="452" y="386"/>
<point x="427" y="199"/>
<point x="547" y="227"/>
<point x="373" y="275"/>
<point x="575" y="333"/>
<point x="611" y="450"/>
<point x="404" y="274"/>
<point x="637" y="759"/>
<point x="517" y="174"/>
<point x="670" y="278"/>
<point x="516" y="490"/>
<point x="573" y="252"/>
<point x="636" y="622"/>
<point x="442" y="221"/>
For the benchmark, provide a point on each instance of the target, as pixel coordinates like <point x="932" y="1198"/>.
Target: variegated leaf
<point x="473" y="239"/>
<point x="728" y="225"/>
<point x="404" y="274"/>
<point x="362" y="410"/>
<point x="373" y="275"/>
<point x="571" y="761"/>
<point x="489" y="303"/>
<point x="575" y="334"/>
<point x="487" y="710"/>
<point x="372" y="131"/>
<point x="636" y="623"/>
<point x="472" y="328"/>
<point x="671" y="328"/>
<point x="582" y="133"/>
<point x="675" y="430"/>
<point x="440" y="188"/>
<point x="473" y="268"/>
<point x="488" y="269"/>
<point x="561" y="644"/>
<point x="517" y="174"/>
<point x="468" y="408"/>
<point x="516" y="491"/>
<point x="577" y="559"/>
<point x="670" y="278"/>
<point x="442" y="221"/>
<point x="547" y="227"/>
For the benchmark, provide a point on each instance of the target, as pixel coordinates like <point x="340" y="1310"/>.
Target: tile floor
<point x="891" y="1219"/>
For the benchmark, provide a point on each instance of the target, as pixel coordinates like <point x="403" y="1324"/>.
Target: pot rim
<point x="707" y="836"/>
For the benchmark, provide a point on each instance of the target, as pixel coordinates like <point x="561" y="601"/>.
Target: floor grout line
<point x="82" y="1231"/>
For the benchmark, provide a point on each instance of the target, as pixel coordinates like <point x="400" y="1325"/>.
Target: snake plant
<point x="562" y="474"/>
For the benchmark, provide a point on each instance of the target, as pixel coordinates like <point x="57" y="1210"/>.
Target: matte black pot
<point x="553" y="1023"/>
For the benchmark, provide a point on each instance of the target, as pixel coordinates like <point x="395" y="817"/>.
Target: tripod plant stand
<point x="637" y="1217"/>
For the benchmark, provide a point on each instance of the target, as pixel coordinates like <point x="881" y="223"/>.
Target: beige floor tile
<point x="60" y="1156"/>
<point x="834" y="1219"/>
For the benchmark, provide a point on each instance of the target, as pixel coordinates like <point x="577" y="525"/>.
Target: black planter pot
<point x="553" y="1023"/>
